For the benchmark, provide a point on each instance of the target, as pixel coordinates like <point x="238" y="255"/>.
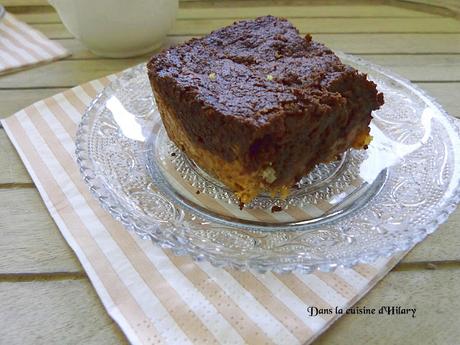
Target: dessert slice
<point x="258" y="106"/>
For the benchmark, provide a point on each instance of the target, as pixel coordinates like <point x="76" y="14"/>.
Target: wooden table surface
<point x="45" y="295"/>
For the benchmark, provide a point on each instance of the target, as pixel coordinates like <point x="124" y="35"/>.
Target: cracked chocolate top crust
<point x="259" y="92"/>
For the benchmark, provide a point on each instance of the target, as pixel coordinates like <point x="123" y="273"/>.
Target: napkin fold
<point x="22" y="46"/>
<point x="153" y="295"/>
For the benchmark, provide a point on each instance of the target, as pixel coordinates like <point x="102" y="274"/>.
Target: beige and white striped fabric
<point x="22" y="46"/>
<point x="156" y="297"/>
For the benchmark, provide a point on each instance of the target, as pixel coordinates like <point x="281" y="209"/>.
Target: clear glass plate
<point x="365" y="205"/>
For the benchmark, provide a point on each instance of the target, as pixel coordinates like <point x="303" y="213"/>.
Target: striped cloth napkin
<point x="154" y="296"/>
<point x="22" y="46"/>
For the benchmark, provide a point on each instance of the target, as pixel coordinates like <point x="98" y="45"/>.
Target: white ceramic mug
<point x="118" y="28"/>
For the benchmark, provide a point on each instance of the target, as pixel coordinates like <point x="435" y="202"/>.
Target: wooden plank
<point x="349" y="43"/>
<point x="430" y="68"/>
<point x="306" y="11"/>
<point x="7" y="3"/>
<point x="435" y="295"/>
<point x="66" y="73"/>
<point x="312" y="25"/>
<point x="392" y="44"/>
<point x="37" y="15"/>
<point x="30" y="241"/>
<point x="43" y="314"/>
<point x="15" y="100"/>
<point x="53" y="31"/>
<point x="453" y="5"/>
<point x="445" y="94"/>
<point x="439" y="7"/>
<point x="440" y="245"/>
<point x="78" y="50"/>
<point x="335" y="25"/>
<point x="55" y="312"/>
<point x="12" y="171"/>
<point x="241" y="3"/>
<point x="47" y="15"/>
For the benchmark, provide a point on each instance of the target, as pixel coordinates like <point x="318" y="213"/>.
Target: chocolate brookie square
<point x="258" y="106"/>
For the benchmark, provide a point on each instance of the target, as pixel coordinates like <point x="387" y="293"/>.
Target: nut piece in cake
<point x="258" y="106"/>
